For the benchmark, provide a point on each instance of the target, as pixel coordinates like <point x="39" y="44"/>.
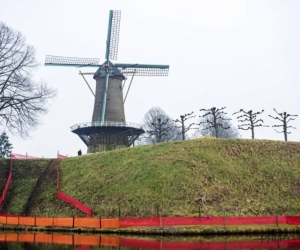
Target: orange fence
<point x="79" y="205"/>
<point x="85" y="242"/>
<point x="69" y="222"/>
<point x="77" y="222"/>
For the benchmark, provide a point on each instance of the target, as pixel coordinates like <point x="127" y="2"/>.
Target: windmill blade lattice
<point x="143" y="69"/>
<point x="71" y="61"/>
<point x="113" y="35"/>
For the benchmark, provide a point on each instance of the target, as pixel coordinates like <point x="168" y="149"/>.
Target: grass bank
<point x="236" y="177"/>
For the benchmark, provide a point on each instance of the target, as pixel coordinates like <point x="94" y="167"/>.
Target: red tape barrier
<point x="13" y="156"/>
<point x="140" y="222"/>
<point x="58" y="177"/>
<point x="172" y="221"/>
<point x="5" y="188"/>
<point x="293" y="220"/>
<point x="7" y="183"/>
<point x="59" y="156"/>
<point x="75" y="203"/>
<point x="209" y="221"/>
<point x="79" y="205"/>
<point x="19" y="156"/>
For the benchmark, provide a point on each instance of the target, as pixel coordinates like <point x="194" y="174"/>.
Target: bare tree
<point x="152" y="116"/>
<point x="217" y="116"/>
<point x="230" y="131"/>
<point x="285" y="118"/>
<point x="22" y="100"/>
<point x="183" y="127"/>
<point x="251" y="118"/>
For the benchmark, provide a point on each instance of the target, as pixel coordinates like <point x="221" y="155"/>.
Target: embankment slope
<point x="239" y="177"/>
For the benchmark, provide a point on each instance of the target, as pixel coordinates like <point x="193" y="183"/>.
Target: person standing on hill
<point x="79" y="152"/>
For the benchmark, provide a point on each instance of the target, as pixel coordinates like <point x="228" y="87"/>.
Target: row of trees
<point x="159" y="127"/>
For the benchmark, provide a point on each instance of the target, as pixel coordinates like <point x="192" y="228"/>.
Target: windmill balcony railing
<point x="106" y="124"/>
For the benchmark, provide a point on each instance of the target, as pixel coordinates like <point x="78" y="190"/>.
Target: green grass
<point x="24" y="176"/>
<point x="237" y="177"/>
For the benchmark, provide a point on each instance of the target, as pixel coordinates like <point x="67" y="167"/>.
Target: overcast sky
<point x="234" y="53"/>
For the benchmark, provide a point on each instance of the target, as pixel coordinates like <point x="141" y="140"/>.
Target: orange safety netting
<point x="27" y="221"/>
<point x="63" y="222"/>
<point x="87" y="222"/>
<point x="12" y="220"/>
<point x="44" y="221"/>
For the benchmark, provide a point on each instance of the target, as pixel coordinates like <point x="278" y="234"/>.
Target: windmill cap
<point x="113" y="71"/>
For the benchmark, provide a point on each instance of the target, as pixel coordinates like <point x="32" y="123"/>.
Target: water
<point x="30" y="241"/>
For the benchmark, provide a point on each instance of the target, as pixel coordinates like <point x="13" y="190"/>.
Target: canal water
<point x="31" y="241"/>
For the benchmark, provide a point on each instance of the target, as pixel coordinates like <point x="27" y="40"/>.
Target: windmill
<point x="109" y="129"/>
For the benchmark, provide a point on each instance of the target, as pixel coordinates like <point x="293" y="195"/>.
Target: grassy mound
<point x="236" y="177"/>
<point x="24" y="177"/>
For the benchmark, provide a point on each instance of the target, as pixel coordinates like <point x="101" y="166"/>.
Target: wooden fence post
<point x="73" y="221"/>
<point x="34" y="221"/>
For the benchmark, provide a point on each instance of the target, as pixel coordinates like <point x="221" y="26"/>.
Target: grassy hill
<point x="239" y="177"/>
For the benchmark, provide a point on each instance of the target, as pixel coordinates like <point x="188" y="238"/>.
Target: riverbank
<point x="172" y="231"/>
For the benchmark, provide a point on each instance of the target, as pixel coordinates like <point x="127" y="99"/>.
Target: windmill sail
<point x="113" y="35"/>
<point x="71" y="61"/>
<point x="143" y="69"/>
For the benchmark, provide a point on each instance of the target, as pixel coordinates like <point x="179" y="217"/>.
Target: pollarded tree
<point x="5" y="146"/>
<point x="22" y="100"/>
<point x="285" y="118"/>
<point x="160" y="129"/>
<point x="184" y="128"/>
<point x="217" y="116"/>
<point x="230" y="132"/>
<point x="251" y="120"/>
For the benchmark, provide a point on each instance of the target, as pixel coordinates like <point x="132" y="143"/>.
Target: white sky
<point x="234" y="53"/>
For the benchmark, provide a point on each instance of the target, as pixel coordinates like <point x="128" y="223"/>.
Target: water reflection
<point x="30" y="241"/>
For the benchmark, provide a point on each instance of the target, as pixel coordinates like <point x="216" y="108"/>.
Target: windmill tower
<point x="109" y="129"/>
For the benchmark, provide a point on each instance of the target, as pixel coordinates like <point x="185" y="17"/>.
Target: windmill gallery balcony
<point x="107" y="135"/>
